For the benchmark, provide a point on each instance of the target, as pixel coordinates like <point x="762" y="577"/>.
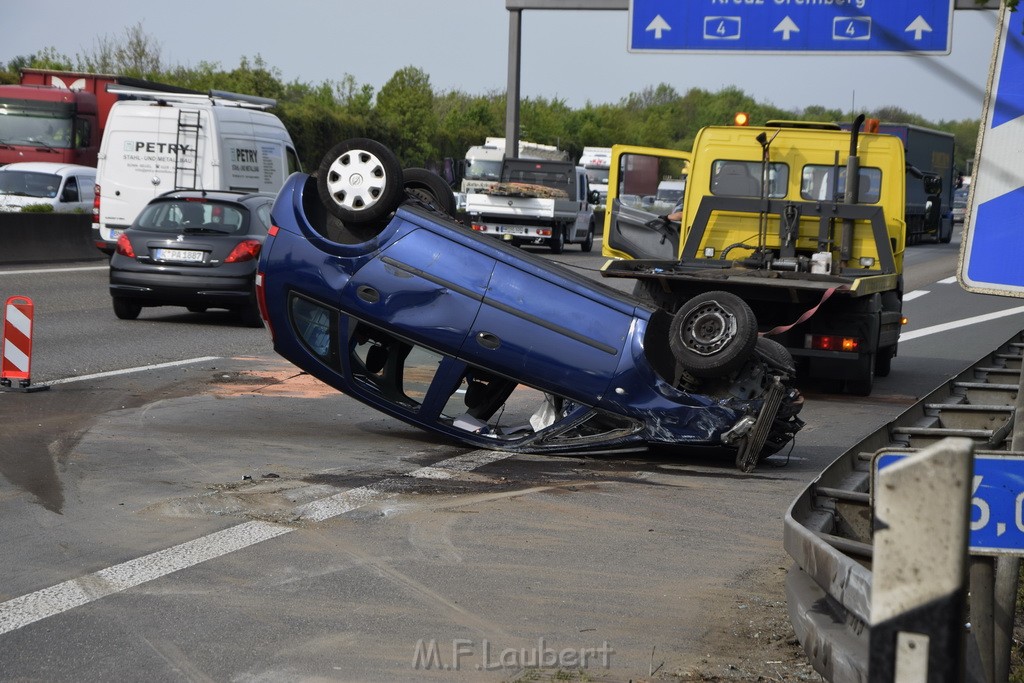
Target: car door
<point x="585" y="211"/>
<point x="633" y="229"/>
<point x="424" y="286"/>
<point x="549" y="331"/>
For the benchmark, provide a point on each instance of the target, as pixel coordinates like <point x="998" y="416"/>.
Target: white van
<point x="67" y="188"/>
<point x="178" y="141"/>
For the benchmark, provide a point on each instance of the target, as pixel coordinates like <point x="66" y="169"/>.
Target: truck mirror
<point x="594" y="197"/>
<point x="932" y="184"/>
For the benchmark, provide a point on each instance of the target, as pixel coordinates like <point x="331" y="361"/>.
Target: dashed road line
<point x="41" y="271"/>
<point x="126" y="371"/>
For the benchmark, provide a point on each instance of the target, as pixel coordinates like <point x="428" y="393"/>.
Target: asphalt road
<point x="229" y="518"/>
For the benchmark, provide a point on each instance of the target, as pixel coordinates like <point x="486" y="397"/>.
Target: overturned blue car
<point x="369" y="283"/>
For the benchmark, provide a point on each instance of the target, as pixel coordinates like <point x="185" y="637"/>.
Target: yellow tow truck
<point x="802" y="221"/>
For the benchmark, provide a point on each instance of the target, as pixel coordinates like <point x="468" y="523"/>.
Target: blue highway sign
<point x="993" y="242"/>
<point x="791" y="26"/>
<point x="997" y="502"/>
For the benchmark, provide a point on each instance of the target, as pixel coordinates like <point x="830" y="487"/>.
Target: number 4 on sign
<point x="722" y="28"/>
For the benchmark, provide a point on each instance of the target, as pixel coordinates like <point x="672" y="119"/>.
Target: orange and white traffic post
<point x="17" y="343"/>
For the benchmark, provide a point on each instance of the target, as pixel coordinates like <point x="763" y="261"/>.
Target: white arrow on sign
<point x="785" y="27"/>
<point x="658" y="25"/>
<point x="918" y="26"/>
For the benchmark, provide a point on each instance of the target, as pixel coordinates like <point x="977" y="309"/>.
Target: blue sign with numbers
<point x="992" y="229"/>
<point x="997" y="503"/>
<point x="796" y="26"/>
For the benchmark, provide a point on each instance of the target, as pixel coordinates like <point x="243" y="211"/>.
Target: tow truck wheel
<point x="883" y="361"/>
<point x="713" y="334"/>
<point x="360" y="181"/>
<point x="429" y="188"/>
<point x="863" y="385"/>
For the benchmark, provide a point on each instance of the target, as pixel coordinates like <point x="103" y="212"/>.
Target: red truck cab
<point x="46" y="123"/>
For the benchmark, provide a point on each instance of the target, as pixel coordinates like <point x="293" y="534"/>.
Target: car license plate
<point x="184" y="255"/>
<point x="510" y="230"/>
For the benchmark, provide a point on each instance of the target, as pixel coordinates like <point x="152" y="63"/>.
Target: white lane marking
<point x="948" y="281"/>
<point x="944" y="327"/>
<point x="33" y="607"/>
<point x="126" y="371"/>
<point x="910" y="296"/>
<point x="47" y="602"/>
<point x="37" y="271"/>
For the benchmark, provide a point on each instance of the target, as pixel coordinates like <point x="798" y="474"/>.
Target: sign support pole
<point x="1008" y="568"/>
<point x="919" y="570"/>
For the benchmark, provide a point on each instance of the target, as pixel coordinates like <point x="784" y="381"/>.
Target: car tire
<point x="713" y="334"/>
<point x="360" y="181"/>
<point x="588" y="243"/>
<point x="126" y="309"/>
<point x="775" y="355"/>
<point x="557" y="240"/>
<point x="429" y="188"/>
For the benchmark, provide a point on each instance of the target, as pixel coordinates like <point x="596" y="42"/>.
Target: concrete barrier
<point x="47" y="238"/>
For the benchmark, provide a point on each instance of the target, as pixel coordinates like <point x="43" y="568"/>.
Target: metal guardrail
<point x="828" y="528"/>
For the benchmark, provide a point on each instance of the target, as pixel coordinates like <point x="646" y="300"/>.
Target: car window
<point x="29" y="183"/>
<point x="180" y="214"/>
<point x="262" y="215"/>
<point x="70" y="193"/>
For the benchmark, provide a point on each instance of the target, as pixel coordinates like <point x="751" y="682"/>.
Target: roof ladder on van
<point x="186" y="153"/>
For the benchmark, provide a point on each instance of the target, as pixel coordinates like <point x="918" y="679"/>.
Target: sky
<point x="574" y="56"/>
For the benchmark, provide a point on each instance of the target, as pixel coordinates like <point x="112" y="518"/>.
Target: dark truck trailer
<point x="928" y="152"/>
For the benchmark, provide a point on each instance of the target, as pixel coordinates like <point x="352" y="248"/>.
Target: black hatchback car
<point x="192" y="248"/>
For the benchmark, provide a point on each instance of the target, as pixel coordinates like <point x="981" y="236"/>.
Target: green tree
<point x="318" y="117"/>
<point x="135" y="53"/>
<point x="405" y="118"/>
<point x="465" y="120"/>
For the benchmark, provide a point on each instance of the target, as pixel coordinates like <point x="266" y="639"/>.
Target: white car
<point x="68" y="188"/>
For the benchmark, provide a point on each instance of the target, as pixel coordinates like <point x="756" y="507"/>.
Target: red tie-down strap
<point x="808" y="313"/>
